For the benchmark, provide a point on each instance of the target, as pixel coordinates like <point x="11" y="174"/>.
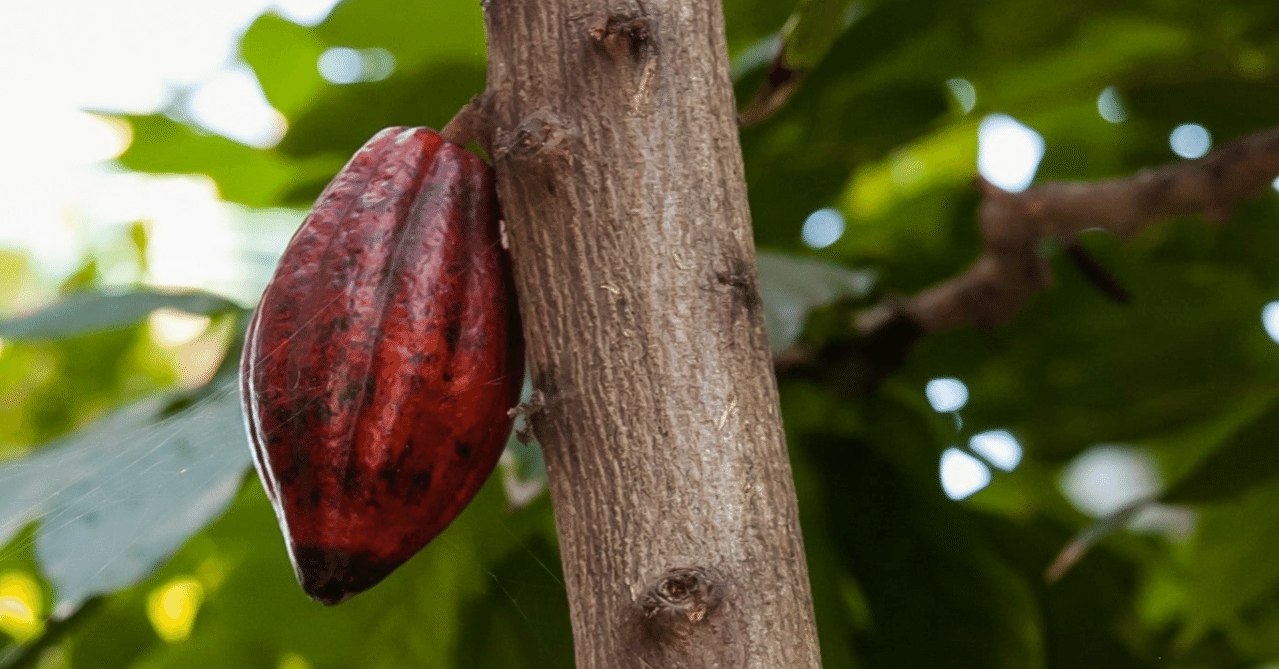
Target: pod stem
<point x="470" y="123"/>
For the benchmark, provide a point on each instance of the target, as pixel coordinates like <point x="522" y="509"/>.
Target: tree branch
<point x="1010" y="269"/>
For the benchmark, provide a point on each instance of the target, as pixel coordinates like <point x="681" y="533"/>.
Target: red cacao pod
<point x="382" y="360"/>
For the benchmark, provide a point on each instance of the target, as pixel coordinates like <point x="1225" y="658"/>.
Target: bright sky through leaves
<point x="946" y="395"/>
<point x="1008" y="152"/>
<point x="962" y="474"/>
<point x="1190" y="140"/>
<point x="132" y="56"/>
<point x="823" y="228"/>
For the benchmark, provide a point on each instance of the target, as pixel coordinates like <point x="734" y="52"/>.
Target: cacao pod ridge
<point x="382" y="360"/>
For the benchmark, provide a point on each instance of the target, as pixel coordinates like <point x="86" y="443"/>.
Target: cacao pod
<point x="381" y="362"/>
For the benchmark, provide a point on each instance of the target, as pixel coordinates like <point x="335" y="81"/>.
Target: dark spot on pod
<point x="331" y="575"/>
<point x="301" y="461"/>
<point x="283" y="413"/>
<point x="391" y="472"/>
<point x="452" y="332"/>
<point x="463" y="450"/>
<point x="351" y="476"/>
<point x="446" y="376"/>
<point x="418" y="485"/>
<point x="344" y="263"/>
<point x="311" y="492"/>
<point x="319" y="412"/>
<point x="349" y="393"/>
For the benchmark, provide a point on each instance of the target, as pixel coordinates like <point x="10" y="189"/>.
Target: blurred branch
<point x="806" y="38"/>
<point x="24" y="657"/>
<point x="1010" y="268"/>
<point x="772" y="94"/>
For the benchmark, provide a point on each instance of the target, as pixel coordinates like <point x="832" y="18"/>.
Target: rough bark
<point x="619" y="170"/>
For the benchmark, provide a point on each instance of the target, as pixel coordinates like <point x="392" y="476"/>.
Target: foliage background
<point x="105" y="510"/>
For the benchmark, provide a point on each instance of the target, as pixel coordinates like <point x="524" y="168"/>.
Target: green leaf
<point x="117" y="499"/>
<point x="792" y="286"/>
<point x="284" y="56"/>
<point x="344" y="117"/>
<point x="243" y="174"/>
<point x="817" y="25"/>
<point x="1233" y="565"/>
<point x="416" y="33"/>
<point x="492" y="572"/>
<point x="85" y="313"/>
<point x="1243" y="461"/>
<point x="931" y="584"/>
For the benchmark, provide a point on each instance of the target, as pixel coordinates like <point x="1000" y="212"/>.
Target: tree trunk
<point x="615" y="141"/>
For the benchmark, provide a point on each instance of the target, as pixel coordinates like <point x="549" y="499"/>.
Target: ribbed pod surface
<point x="381" y="362"/>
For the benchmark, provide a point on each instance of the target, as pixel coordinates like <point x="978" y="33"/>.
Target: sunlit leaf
<point x="117" y="499"/>
<point x="284" y="56"/>
<point x="492" y="571"/>
<point x="84" y="313"/>
<point x="243" y="174"/>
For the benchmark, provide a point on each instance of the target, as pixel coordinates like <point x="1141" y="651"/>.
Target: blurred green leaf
<point x="416" y="33"/>
<point x="117" y="499"/>
<point x="242" y="174"/>
<point x="922" y="566"/>
<point x="792" y="286"/>
<point x="490" y="579"/>
<point x="342" y="118"/>
<point x="1232" y="560"/>
<point x="817" y="25"/>
<point x="84" y="313"/>
<point x="1245" y="460"/>
<point x="284" y="57"/>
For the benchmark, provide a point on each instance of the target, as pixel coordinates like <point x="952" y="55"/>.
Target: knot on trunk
<point x="622" y="34"/>
<point x="681" y="600"/>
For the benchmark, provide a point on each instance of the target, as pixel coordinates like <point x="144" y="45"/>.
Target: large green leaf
<point x="922" y="566"/>
<point x="817" y="25"/>
<point x="344" y="117"/>
<point x="85" y="313"/>
<point x="1243" y="461"/>
<point x="284" y="56"/>
<point x="1232" y="562"/>
<point x="117" y="499"/>
<point x="243" y="174"/>
<point x="416" y="33"/>
<point x="489" y="581"/>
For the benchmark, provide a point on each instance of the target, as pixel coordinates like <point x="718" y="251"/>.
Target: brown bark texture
<point x="614" y="137"/>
